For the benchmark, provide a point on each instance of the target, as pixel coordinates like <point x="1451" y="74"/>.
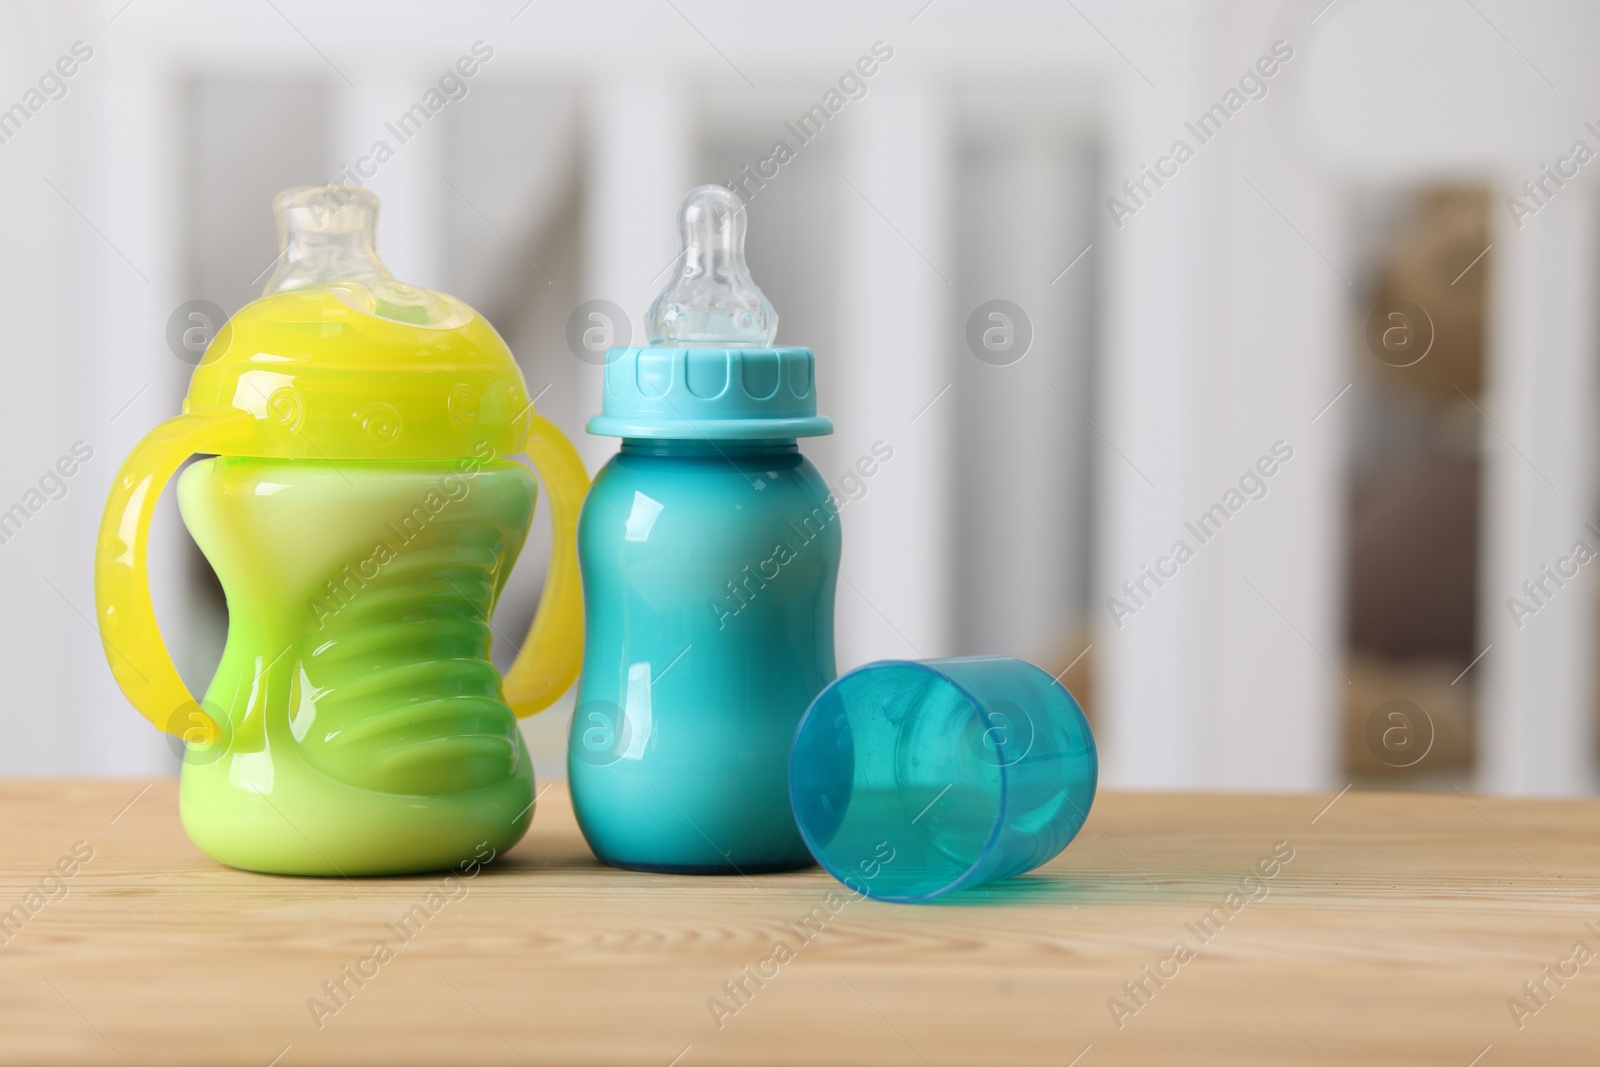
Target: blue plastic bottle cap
<point x="914" y="779"/>
<point x="710" y="393"/>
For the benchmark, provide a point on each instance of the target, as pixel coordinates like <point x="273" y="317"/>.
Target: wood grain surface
<point x="1399" y="933"/>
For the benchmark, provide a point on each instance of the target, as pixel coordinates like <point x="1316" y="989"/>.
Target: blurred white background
<point x="1176" y="336"/>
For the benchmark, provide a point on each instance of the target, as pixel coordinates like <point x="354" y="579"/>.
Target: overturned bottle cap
<point x="912" y="779"/>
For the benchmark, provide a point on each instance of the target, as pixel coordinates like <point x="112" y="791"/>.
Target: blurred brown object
<point x="1374" y="682"/>
<point x="1073" y="663"/>
<point x="1425" y="265"/>
<point x="1413" y="561"/>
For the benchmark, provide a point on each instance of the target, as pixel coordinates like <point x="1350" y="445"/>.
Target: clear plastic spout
<point x="327" y="237"/>
<point x="326" y="233"/>
<point x="712" y="301"/>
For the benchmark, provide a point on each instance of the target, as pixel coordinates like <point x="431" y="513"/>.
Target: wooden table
<point x="1396" y="934"/>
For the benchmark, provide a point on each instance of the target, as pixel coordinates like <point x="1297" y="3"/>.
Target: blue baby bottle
<point x="709" y="548"/>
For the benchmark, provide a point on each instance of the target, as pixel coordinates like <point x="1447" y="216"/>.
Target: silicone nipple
<point x="713" y="302"/>
<point x="328" y="237"/>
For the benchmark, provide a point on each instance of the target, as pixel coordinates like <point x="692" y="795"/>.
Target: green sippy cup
<point x="362" y="518"/>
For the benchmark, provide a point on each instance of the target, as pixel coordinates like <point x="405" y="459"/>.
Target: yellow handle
<point x="139" y="659"/>
<point x="553" y="653"/>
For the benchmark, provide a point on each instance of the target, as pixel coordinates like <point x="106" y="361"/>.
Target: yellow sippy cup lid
<point x="338" y="360"/>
